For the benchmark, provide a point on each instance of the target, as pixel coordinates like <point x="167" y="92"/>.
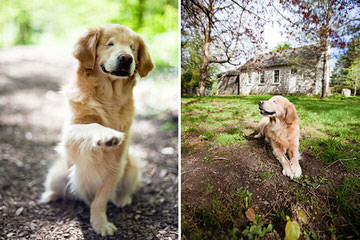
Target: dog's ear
<point x="290" y="113"/>
<point x="145" y="64"/>
<point x="85" y="48"/>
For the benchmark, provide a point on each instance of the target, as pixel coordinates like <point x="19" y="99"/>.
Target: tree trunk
<point x="325" y="82"/>
<point x="204" y="62"/>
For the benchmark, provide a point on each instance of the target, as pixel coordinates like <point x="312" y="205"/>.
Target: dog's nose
<point x="261" y="103"/>
<point x="125" y="59"/>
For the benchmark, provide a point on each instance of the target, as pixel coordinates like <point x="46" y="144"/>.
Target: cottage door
<point x="292" y="83"/>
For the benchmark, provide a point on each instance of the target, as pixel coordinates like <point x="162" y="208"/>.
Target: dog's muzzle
<point x="263" y="111"/>
<point x="123" y="66"/>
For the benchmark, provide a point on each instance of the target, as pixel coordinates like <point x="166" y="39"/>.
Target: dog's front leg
<point x="89" y="136"/>
<point x="294" y="159"/>
<point x="279" y="153"/>
<point x="98" y="218"/>
<point x="79" y="140"/>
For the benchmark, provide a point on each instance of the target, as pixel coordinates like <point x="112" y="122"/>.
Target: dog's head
<point x="278" y="107"/>
<point x="113" y="50"/>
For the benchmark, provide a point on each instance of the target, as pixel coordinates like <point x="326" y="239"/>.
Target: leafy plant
<point x="313" y="182"/>
<point x="256" y="230"/>
<point x="246" y="195"/>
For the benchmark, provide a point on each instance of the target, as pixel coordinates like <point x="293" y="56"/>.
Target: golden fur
<point x="94" y="165"/>
<point x="281" y="129"/>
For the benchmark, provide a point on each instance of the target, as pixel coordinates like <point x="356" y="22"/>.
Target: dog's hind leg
<point x="129" y="183"/>
<point x="56" y="181"/>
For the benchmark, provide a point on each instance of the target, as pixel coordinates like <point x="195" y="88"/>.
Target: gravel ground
<point x="31" y="116"/>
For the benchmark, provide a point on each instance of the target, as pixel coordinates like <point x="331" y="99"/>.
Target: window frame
<point x="276" y="82"/>
<point x="261" y="77"/>
<point x="249" y="80"/>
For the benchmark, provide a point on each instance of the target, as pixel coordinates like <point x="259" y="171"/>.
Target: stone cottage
<point x="290" y="71"/>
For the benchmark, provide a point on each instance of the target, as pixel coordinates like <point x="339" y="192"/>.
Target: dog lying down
<point x="281" y="129"/>
<point x="94" y="165"/>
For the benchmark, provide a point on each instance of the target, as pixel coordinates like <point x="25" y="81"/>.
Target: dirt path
<point x="31" y="116"/>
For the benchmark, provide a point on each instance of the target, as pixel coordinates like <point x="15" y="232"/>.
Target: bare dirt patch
<point x="216" y="173"/>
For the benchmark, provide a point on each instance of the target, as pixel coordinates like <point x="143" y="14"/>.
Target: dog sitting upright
<point x="94" y="165"/>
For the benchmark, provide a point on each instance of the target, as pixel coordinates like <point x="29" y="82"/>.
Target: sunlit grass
<point x="228" y="139"/>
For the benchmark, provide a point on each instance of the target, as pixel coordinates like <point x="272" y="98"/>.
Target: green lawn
<point x="331" y="127"/>
<point x="330" y="136"/>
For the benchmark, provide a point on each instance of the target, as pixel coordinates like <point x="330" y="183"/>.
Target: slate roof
<point x="302" y="55"/>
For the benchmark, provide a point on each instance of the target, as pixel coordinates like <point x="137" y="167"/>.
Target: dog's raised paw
<point x="110" y="143"/>
<point x="112" y="140"/>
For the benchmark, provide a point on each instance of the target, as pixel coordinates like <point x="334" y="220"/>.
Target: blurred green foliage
<point x="62" y="21"/>
<point x="282" y="46"/>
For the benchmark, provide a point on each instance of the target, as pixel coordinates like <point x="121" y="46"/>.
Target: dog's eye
<point x="274" y="101"/>
<point x="132" y="47"/>
<point x="110" y="44"/>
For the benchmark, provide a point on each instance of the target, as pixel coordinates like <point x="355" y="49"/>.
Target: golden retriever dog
<point x="281" y="129"/>
<point x="95" y="166"/>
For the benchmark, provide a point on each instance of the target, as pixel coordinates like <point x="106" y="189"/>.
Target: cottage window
<point x="262" y="77"/>
<point x="249" y="78"/>
<point x="276" y="76"/>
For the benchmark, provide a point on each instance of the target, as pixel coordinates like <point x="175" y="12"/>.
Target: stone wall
<point x="228" y="85"/>
<point x="254" y="86"/>
<point x="303" y="81"/>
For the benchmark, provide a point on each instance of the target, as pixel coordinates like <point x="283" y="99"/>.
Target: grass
<point x="331" y="126"/>
<point x="226" y="139"/>
<point x="265" y="175"/>
<point x="347" y="202"/>
<point x="330" y="134"/>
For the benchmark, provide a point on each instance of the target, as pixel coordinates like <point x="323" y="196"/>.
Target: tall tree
<point x="342" y="77"/>
<point x="327" y="22"/>
<point x="354" y="73"/>
<point x="227" y="30"/>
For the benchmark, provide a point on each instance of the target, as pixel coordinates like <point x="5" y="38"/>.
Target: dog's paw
<point x="288" y="172"/>
<point x="296" y="169"/>
<point x="123" y="201"/>
<point x="112" y="139"/>
<point x="257" y="135"/>
<point x="47" y="196"/>
<point x="104" y="228"/>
